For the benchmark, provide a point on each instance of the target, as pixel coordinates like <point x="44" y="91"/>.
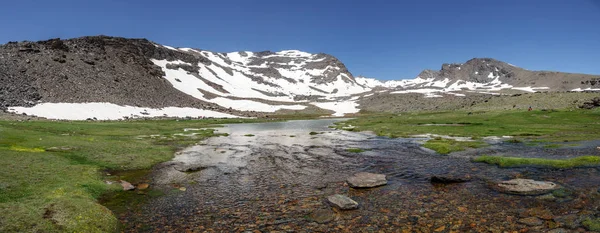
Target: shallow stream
<point x="276" y="177"/>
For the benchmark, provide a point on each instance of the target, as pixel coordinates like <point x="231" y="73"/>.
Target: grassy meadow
<point x="54" y="172"/>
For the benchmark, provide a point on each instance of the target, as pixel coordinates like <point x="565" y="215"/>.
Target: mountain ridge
<point x="123" y="74"/>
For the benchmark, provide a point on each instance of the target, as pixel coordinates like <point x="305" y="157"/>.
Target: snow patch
<point x="109" y="111"/>
<point x="340" y="108"/>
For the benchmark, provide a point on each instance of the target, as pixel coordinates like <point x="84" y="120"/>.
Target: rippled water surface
<point x="276" y="176"/>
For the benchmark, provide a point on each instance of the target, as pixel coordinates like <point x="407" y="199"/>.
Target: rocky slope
<point x="141" y="73"/>
<point x="488" y="75"/>
<point x="111" y="78"/>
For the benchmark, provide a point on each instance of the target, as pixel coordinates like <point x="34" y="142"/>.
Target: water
<point x="277" y="178"/>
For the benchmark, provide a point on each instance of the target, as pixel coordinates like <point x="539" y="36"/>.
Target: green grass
<point x="43" y="189"/>
<point x="553" y="146"/>
<point x="555" y="163"/>
<point x="447" y="146"/>
<point x="548" y="126"/>
<point x="355" y="150"/>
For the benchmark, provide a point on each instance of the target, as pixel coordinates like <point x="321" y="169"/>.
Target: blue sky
<point x="377" y="38"/>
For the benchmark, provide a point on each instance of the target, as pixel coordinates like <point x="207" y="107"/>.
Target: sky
<point x="383" y="39"/>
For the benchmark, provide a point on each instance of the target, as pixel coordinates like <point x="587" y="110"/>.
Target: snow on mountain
<point x="372" y="83"/>
<point x="112" y="78"/>
<point x="265" y="81"/>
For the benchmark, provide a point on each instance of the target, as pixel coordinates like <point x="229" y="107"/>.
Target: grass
<point x="555" y="163"/>
<point x="49" y="190"/>
<point x="547" y="126"/>
<point x="447" y="146"/>
<point x="355" y="150"/>
<point x="249" y="135"/>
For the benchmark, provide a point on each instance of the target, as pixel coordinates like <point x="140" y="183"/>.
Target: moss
<point x="592" y="224"/>
<point x="355" y="150"/>
<point x="553" y="146"/>
<point x="447" y="146"/>
<point x="555" y="163"/>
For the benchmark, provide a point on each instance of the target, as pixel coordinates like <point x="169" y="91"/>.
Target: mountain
<point x="112" y="78"/>
<point x="127" y="75"/>
<point x="487" y="75"/>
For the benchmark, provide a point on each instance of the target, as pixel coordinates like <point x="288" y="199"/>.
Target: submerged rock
<point x="527" y="187"/>
<point x="127" y="186"/>
<point x="366" y="180"/>
<point x="342" y="202"/>
<point x="531" y="221"/>
<point x="449" y="179"/>
<point x="322" y="216"/>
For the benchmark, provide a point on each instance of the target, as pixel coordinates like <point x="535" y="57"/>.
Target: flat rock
<point x="127" y="186"/>
<point x="342" y="202"/>
<point x="366" y="180"/>
<point x="531" y="221"/>
<point x="527" y="187"/>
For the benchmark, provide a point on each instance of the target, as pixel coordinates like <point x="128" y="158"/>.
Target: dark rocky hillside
<point x="90" y="69"/>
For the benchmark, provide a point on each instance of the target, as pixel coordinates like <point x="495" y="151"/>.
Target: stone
<point x="322" y="216"/>
<point x="449" y="179"/>
<point x="366" y="180"/>
<point x="527" y="187"/>
<point x="143" y="186"/>
<point x="531" y="221"/>
<point x="342" y="202"/>
<point x="127" y="186"/>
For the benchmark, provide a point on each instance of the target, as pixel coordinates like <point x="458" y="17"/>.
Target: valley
<point x="110" y="134"/>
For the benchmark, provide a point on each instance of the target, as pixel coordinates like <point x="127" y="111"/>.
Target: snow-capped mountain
<point x="488" y="76"/>
<point x="121" y="74"/>
<point x="112" y="78"/>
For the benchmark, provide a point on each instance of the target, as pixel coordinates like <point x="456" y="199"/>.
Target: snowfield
<point x="108" y="111"/>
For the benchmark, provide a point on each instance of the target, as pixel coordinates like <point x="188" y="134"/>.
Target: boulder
<point x="342" y="202"/>
<point x="526" y="187"/>
<point x="366" y="180"/>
